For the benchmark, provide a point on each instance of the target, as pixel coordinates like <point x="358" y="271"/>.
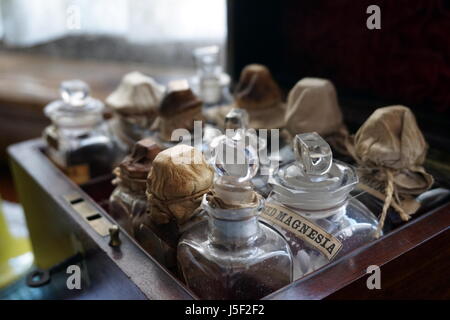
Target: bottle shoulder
<point x="353" y="214"/>
<point x="269" y="243"/>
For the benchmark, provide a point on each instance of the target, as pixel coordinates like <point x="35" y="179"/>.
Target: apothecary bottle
<point x="210" y="83"/>
<point x="128" y="202"/>
<point x="310" y="205"/>
<point x="233" y="255"/>
<point x="177" y="181"/>
<point x="79" y="141"/>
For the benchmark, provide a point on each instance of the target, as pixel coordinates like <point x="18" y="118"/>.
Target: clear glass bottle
<point x="128" y="201"/>
<point x="179" y="178"/>
<point x="233" y="255"/>
<point x="310" y="205"/>
<point x="210" y="83"/>
<point x="78" y="140"/>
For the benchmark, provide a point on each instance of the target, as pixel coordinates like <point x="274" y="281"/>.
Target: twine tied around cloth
<point x="390" y="150"/>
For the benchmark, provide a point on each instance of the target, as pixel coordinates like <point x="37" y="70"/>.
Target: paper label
<point x="303" y="229"/>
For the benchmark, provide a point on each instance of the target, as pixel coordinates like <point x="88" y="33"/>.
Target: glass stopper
<point x="231" y="157"/>
<point x="313" y="154"/>
<point x="206" y="58"/>
<point x="236" y="119"/>
<point x="74" y="92"/>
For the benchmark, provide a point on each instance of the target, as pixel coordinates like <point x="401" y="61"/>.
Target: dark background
<point x="406" y="62"/>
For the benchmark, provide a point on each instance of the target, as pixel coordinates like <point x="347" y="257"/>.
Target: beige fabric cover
<point x="312" y="106"/>
<point x="390" y="150"/>
<point x="136" y="99"/>
<point x="179" y="178"/>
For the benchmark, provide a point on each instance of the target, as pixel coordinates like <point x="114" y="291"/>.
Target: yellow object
<point x="15" y="253"/>
<point x="51" y="235"/>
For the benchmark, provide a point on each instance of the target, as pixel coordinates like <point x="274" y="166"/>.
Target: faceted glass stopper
<point x="313" y="154"/>
<point x="74" y="92"/>
<point x="236" y="119"/>
<point x="230" y="157"/>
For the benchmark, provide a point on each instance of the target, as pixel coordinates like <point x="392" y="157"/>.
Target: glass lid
<point x="235" y="161"/>
<point x="75" y="102"/>
<point x="314" y="180"/>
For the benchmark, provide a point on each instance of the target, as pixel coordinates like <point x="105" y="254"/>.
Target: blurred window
<point x="32" y="22"/>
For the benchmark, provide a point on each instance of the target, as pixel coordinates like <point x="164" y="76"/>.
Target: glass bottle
<point x="211" y="84"/>
<point x="79" y="141"/>
<point x="233" y="255"/>
<point x="128" y="201"/>
<point x="310" y="205"/>
<point x="179" y="178"/>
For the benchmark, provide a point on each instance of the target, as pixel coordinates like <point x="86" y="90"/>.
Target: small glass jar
<point x="175" y="186"/>
<point x="128" y="202"/>
<point x="79" y="141"/>
<point x="310" y="205"/>
<point x="233" y="255"/>
<point x="210" y="83"/>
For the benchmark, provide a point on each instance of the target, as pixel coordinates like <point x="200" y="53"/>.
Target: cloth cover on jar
<point x="257" y="93"/>
<point x="179" y="178"/>
<point x="179" y="109"/>
<point x="390" y="151"/>
<point x="312" y="106"/>
<point x="132" y="174"/>
<point x="135" y="104"/>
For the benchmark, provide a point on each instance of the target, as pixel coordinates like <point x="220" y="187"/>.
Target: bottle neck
<point x="232" y="226"/>
<point x="233" y="233"/>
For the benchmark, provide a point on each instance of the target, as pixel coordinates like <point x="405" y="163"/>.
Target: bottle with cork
<point x="177" y="181"/>
<point x="128" y="201"/>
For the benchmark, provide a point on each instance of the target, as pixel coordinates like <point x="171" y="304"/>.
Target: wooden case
<point x="64" y="219"/>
